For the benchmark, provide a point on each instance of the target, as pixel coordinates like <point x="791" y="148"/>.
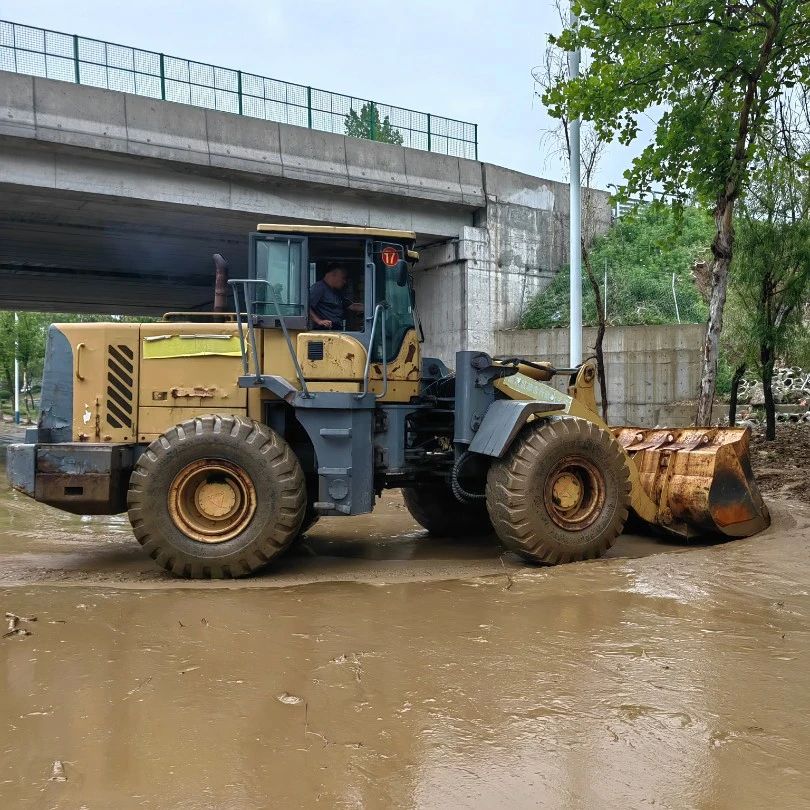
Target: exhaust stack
<point x="221" y="282"/>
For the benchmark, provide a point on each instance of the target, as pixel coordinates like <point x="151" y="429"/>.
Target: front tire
<point x="561" y="493"/>
<point x="217" y="496"/>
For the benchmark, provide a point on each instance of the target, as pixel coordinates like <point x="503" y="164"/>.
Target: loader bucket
<point x="699" y="479"/>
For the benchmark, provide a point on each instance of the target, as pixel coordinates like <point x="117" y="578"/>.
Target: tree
<point x="553" y="71"/>
<point x="25" y="338"/>
<point x="368" y="125"/>
<point x="714" y="68"/>
<point x="771" y="279"/>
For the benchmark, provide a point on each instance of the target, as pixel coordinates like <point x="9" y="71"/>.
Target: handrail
<point x="379" y="310"/>
<point x="252" y="329"/>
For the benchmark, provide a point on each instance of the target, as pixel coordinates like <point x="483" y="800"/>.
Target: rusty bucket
<point x="699" y="480"/>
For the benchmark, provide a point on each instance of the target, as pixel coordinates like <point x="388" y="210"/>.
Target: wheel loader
<point x="226" y="435"/>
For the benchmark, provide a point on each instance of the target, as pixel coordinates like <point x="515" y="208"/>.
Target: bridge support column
<point x="469" y="288"/>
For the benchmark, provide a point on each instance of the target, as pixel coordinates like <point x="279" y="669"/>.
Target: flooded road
<point x="444" y="675"/>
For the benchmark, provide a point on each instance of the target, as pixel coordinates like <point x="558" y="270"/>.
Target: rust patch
<point x="411" y="353"/>
<point x="198" y="391"/>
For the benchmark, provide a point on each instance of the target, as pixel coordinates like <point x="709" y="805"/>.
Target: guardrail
<point x="93" y="62"/>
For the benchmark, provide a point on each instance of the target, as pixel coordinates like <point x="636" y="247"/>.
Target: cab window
<point x="399" y="314"/>
<point x="279" y="262"/>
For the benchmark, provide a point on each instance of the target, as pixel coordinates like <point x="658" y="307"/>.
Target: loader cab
<point x="286" y="261"/>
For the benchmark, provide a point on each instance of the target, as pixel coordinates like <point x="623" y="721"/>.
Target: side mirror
<point x="402" y="273"/>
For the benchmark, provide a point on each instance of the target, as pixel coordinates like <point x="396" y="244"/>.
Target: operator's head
<point x="336" y="276"/>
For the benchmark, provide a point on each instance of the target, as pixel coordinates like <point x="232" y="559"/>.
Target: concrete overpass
<point x="111" y="202"/>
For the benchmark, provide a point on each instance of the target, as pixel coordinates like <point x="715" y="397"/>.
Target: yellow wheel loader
<point x="227" y="435"/>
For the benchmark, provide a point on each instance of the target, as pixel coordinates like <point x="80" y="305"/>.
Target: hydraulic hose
<point x="461" y="494"/>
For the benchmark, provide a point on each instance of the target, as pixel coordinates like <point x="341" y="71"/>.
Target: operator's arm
<point x="355" y="308"/>
<point x="318" y="320"/>
<point x="315" y="296"/>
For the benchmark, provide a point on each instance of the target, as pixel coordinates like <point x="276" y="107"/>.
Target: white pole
<point x="575" y="227"/>
<point x="675" y="298"/>
<point x="605" y="291"/>
<point x="16" y="370"/>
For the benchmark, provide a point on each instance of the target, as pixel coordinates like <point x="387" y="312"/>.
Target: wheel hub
<point x="212" y="500"/>
<point x="574" y="493"/>
<point x="567" y="491"/>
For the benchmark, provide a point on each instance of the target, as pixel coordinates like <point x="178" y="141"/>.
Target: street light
<point x="16" y="369"/>
<point x="574" y="226"/>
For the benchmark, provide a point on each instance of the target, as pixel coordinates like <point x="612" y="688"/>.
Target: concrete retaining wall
<point x="648" y="367"/>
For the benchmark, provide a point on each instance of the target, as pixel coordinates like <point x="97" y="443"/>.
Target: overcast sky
<point x="470" y="60"/>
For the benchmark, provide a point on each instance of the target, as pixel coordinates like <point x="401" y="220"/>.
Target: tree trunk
<point x="767" y="356"/>
<point x="735" y="385"/>
<point x="722" y="248"/>
<point x="600" y="332"/>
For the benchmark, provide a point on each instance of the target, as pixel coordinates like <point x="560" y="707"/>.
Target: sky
<point x="470" y="60"/>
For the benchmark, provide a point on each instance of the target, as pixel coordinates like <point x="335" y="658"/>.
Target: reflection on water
<point x="677" y="680"/>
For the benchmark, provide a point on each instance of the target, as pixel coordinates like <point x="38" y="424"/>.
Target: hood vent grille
<point x="119" y="386"/>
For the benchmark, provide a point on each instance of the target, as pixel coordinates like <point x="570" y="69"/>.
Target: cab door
<point x="278" y="264"/>
<point x="402" y="354"/>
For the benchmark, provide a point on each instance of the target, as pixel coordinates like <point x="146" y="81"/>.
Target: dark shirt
<point x="328" y="303"/>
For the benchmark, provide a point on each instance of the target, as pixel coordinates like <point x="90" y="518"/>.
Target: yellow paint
<point x="407" y="365"/>
<point x="344" y="357"/>
<point x="254" y="404"/>
<point x="519" y="386"/>
<point x="276" y="357"/>
<point x="95" y="411"/>
<point x="398" y="392"/>
<point x="404" y="372"/>
<point x="334" y="386"/>
<point x="338" y="230"/>
<point x="162" y="382"/>
<point x="161" y="347"/>
<point x="153" y="421"/>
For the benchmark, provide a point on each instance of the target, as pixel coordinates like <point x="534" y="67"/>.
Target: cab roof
<point x="338" y="230"/>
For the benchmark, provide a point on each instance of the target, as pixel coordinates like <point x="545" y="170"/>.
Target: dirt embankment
<point x="782" y="467"/>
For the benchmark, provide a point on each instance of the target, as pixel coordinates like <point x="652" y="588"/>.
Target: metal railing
<point x="379" y="317"/>
<point x="92" y="62"/>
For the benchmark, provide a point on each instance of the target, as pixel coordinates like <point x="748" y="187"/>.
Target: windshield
<point x="399" y="314"/>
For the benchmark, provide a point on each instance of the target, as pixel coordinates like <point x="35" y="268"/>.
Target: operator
<point x="328" y="306"/>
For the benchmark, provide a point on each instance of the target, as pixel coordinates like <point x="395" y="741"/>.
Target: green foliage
<point x="368" y="125"/>
<point x="713" y="67"/>
<point x="770" y="278"/>
<point x="771" y="281"/>
<point x="642" y="251"/>
<point x="28" y="332"/>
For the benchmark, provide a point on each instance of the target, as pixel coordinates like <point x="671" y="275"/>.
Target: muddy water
<point x="446" y="676"/>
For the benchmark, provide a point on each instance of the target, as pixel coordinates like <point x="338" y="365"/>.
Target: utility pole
<point x="574" y="225"/>
<point x="16" y="369"/>
<point x="606" y="292"/>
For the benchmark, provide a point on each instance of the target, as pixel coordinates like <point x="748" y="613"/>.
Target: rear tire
<point x="217" y="496"/>
<point x="437" y="510"/>
<point x="561" y="493"/>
